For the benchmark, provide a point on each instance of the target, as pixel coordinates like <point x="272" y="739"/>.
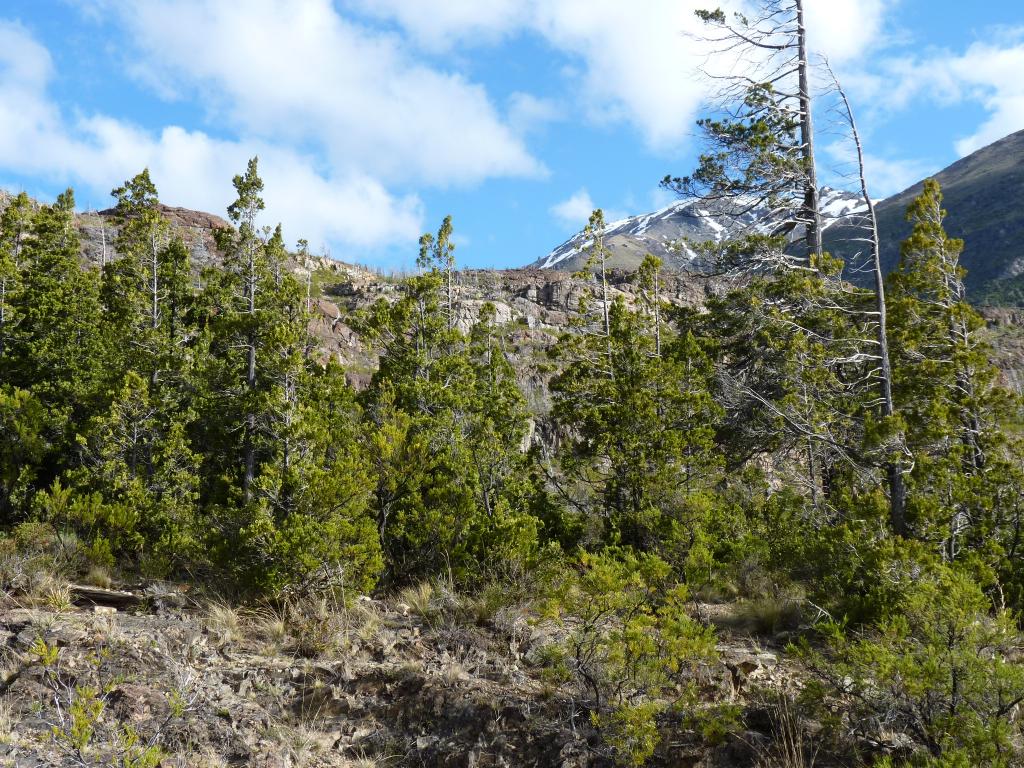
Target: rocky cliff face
<point x="97" y="231"/>
<point x="536" y="303"/>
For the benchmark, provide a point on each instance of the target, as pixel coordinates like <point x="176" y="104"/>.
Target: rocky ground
<point x="413" y="681"/>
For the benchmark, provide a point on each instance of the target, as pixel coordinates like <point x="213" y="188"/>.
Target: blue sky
<point x="375" y="118"/>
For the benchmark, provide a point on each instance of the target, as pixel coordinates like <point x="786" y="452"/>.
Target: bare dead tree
<point x="760" y="171"/>
<point x="894" y="470"/>
<point x="761" y="154"/>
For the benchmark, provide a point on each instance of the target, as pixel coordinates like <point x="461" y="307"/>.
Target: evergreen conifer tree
<point x="946" y="387"/>
<point x="640" y="434"/>
<point x="57" y="348"/>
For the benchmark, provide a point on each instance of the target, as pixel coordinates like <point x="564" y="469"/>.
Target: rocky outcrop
<point x="98" y="232"/>
<point x="534" y="305"/>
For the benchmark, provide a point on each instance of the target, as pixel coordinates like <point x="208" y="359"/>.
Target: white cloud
<point x="661" y="198"/>
<point x="189" y="167"/>
<point x="574" y="211"/>
<point x="527" y="113"/>
<point x="845" y="29"/>
<point x="638" y="64"/>
<point x="886" y="175"/>
<point x="297" y="71"/>
<point x="27" y="64"/>
<point x="985" y="73"/>
<point x="440" y="26"/>
<point x="639" y="67"/>
<point x="991" y="75"/>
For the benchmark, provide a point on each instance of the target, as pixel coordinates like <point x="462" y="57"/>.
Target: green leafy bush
<point x="941" y="666"/>
<point x="630" y="646"/>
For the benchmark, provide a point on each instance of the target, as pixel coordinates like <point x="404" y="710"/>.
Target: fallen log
<point x="114" y="598"/>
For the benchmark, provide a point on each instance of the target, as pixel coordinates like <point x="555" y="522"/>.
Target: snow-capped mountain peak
<point x="666" y="231"/>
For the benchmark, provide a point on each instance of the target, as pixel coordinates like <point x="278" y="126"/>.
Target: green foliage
<point x="631" y="645"/>
<point x="23" y="445"/>
<point x="948" y="393"/>
<point x="286" y="484"/>
<point x="632" y="732"/>
<point x="445" y="425"/>
<point x="167" y="432"/>
<point x="147" y="476"/>
<point x="15" y="223"/>
<point x="150" y="427"/>
<point x="56" y="352"/>
<point x="940" y="666"/>
<point x="756" y="153"/>
<point x="639" y="424"/>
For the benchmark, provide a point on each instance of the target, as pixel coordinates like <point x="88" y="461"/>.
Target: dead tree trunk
<point x="894" y="472"/>
<point x="811" y="208"/>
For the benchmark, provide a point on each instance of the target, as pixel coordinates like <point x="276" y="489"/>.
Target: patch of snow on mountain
<point x="684" y="219"/>
<point x="838" y="204"/>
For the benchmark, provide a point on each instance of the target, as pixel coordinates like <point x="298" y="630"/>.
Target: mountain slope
<point x="664" y="232"/>
<point x="984" y="194"/>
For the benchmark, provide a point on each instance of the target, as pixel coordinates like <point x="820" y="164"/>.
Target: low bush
<point x="630" y="647"/>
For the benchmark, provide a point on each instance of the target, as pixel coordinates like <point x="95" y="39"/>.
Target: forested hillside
<point x="687" y="456"/>
<point x="980" y="191"/>
<point x="769" y="518"/>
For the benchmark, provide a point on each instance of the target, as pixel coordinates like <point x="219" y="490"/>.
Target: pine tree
<point x="761" y="156"/>
<point x="309" y="526"/>
<point x="148" y="477"/>
<point x="147" y="295"/>
<point x="15" y="224"/>
<point x="762" y="152"/>
<point x="446" y="423"/>
<point x="57" y="349"/>
<point x="438" y="253"/>
<point x="594" y="232"/>
<point x="893" y="444"/>
<point x="945" y="385"/>
<point x="247" y="272"/>
<point x="649" y="281"/>
<point x="639" y="435"/>
<point x="285" y="490"/>
<point x="791" y="379"/>
<point x="23" y="446"/>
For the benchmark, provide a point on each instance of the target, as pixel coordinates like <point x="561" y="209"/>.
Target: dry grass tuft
<point x="300" y="743"/>
<point x="271" y="627"/>
<point x="8" y="722"/>
<point x="768" y="616"/>
<point x="363" y="762"/>
<point x="788" y="749"/>
<point x="418" y="598"/>
<point x="316" y="627"/>
<point x="208" y="758"/>
<point x="98" y="576"/>
<point x="224" y="622"/>
<point x="58" y="597"/>
<point x="363" y="621"/>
